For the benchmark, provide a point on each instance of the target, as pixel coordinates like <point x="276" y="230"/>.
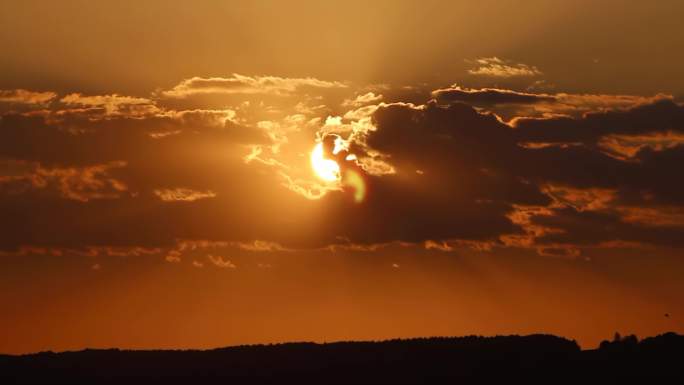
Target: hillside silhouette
<point x="508" y="359"/>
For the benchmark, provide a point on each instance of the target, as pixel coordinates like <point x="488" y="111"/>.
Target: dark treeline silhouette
<point x="504" y="359"/>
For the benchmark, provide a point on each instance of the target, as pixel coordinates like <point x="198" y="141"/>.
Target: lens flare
<point x="326" y="169"/>
<point x="355" y="181"/>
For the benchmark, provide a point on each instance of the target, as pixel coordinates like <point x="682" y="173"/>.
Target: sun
<point x="326" y="169"/>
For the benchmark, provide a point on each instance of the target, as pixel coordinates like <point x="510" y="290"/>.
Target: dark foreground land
<point x="509" y="359"/>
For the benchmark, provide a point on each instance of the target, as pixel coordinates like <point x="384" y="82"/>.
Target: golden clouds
<point x="495" y="67"/>
<point x="439" y="174"/>
<point x="22" y="96"/>
<point x="113" y="104"/>
<point x="580" y="199"/>
<point x="181" y="194"/>
<point x="221" y="262"/>
<point x="628" y="146"/>
<point x="260" y="245"/>
<point x="240" y="84"/>
<point x="360" y="100"/>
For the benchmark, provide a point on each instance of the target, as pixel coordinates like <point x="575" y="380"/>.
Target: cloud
<point x="79" y="139"/>
<point x="495" y="67"/>
<point x="452" y="244"/>
<point x="181" y="194"/>
<point x="558" y="252"/>
<point x="360" y="113"/>
<point x="218" y="261"/>
<point x="186" y="246"/>
<point x="360" y="100"/>
<point x="445" y="203"/>
<point x="628" y="146"/>
<point x="76" y="183"/>
<point x="112" y="104"/>
<point x="568" y="172"/>
<point x="667" y="216"/>
<point x="657" y="118"/>
<point x="346" y="244"/>
<point x="576" y="104"/>
<point x="489" y="96"/>
<point x="312" y="190"/>
<point x="95" y="107"/>
<point x="259" y="245"/>
<point x="473" y="157"/>
<point x="21" y="96"/>
<point x="512" y="104"/>
<point x="580" y="199"/>
<point x="594" y="228"/>
<point x="86" y="251"/>
<point x="204" y="117"/>
<point x="240" y="84"/>
<point x="441" y="246"/>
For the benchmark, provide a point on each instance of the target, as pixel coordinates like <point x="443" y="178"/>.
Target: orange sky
<point x="501" y="168"/>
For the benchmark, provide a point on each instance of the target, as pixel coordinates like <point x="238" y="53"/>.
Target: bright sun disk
<point x="326" y="169"/>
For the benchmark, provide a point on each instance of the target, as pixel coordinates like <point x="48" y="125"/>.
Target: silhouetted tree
<point x="472" y="359"/>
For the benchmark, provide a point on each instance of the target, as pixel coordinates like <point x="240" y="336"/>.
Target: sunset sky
<point x="211" y="173"/>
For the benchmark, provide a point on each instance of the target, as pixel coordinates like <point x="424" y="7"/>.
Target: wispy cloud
<point x="361" y="100"/>
<point x="183" y="194"/>
<point x="76" y="183"/>
<point x="495" y="67"/>
<point x="219" y="261"/>
<point x="240" y="84"/>
<point x="22" y="96"/>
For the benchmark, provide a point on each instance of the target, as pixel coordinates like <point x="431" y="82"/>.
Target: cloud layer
<point x="483" y="168"/>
